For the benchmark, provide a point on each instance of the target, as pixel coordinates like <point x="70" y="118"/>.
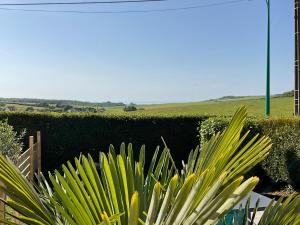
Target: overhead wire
<point x="129" y="11"/>
<point x="79" y="3"/>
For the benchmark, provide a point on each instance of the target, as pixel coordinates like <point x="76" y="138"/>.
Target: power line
<point x="129" y="11"/>
<point x="79" y="3"/>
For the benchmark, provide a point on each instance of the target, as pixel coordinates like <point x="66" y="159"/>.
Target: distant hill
<point x="286" y="94"/>
<point x="280" y="106"/>
<point x="33" y="102"/>
<point x="234" y="97"/>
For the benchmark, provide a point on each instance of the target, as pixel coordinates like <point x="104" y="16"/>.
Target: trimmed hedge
<point x="283" y="163"/>
<point x="65" y="136"/>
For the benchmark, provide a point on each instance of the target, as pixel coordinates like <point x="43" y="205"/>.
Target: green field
<point x="280" y="106"/>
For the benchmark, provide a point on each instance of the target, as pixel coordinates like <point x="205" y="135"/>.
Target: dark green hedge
<point x="283" y="163"/>
<point x="64" y="136"/>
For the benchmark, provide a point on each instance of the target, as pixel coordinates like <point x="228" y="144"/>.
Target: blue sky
<point x="178" y="56"/>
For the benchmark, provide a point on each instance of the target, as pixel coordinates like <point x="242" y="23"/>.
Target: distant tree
<point x="11" y="108"/>
<point x="91" y="109"/>
<point x="57" y="110"/>
<point x="2" y="104"/>
<point x="51" y="107"/>
<point x="43" y="104"/>
<point x="288" y="94"/>
<point x="67" y="108"/>
<point x="29" y="109"/>
<point x="60" y="105"/>
<point x="130" y="108"/>
<point x="77" y="109"/>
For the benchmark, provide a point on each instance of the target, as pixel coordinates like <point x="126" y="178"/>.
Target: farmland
<point x="281" y="106"/>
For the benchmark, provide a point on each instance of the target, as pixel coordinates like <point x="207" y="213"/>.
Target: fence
<point x="29" y="163"/>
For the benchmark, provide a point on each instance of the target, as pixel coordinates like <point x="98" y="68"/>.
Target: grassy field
<point x="280" y="106"/>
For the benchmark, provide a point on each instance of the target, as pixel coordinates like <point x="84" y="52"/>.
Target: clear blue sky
<point x="176" y="56"/>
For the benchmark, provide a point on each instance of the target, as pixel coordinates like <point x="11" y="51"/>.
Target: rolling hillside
<point x="280" y="106"/>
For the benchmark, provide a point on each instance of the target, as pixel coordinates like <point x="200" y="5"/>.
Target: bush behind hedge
<point x="283" y="163"/>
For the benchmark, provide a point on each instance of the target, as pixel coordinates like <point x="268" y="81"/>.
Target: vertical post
<point x="31" y="143"/>
<point x="39" y="152"/>
<point x="2" y="207"/>
<point x="267" y="103"/>
<point x="297" y="51"/>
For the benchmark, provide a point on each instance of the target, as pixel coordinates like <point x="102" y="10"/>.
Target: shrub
<point x="210" y="127"/>
<point x="67" y="108"/>
<point x="213" y="125"/>
<point x="130" y="108"/>
<point x="283" y="163"/>
<point x="10" y="141"/>
<point x="29" y="109"/>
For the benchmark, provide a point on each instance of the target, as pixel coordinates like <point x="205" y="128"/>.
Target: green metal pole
<point x="267" y="101"/>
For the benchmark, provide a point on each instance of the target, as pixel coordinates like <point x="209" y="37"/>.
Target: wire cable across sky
<point x="222" y="3"/>
<point x="79" y="3"/>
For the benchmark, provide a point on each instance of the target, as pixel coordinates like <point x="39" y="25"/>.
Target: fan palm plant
<point x="121" y="192"/>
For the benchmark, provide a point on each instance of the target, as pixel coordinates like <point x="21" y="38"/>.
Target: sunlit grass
<point x="280" y="106"/>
